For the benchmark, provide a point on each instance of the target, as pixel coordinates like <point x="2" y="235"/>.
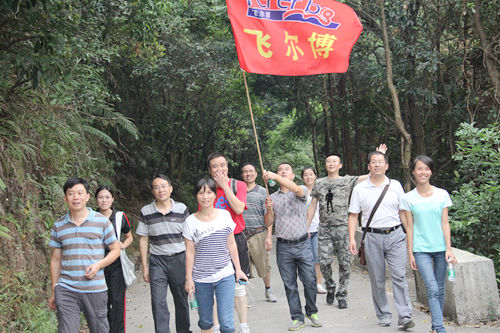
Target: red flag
<point x="293" y="37"/>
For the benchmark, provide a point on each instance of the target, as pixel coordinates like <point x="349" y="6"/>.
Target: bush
<point x="476" y="204"/>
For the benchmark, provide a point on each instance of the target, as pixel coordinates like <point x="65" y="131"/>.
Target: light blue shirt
<point x="427" y="212"/>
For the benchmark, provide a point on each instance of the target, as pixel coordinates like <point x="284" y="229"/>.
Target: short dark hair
<point x="307" y="168"/>
<point x="162" y="176"/>
<point x="283" y="163"/>
<point x="102" y="188"/>
<point x="72" y="181"/>
<point x="212" y="156"/>
<point x="424" y="159"/>
<point x="334" y="154"/>
<point x="247" y="164"/>
<point x="206" y="181"/>
<point x="377" y="153"/>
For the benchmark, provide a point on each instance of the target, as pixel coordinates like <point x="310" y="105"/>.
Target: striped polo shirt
<point x="82" y="246"/>
<point x="256" y="209"/>
<point x="164" y="230"/>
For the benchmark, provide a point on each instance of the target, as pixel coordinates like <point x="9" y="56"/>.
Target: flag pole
<point x="254" y="130"/>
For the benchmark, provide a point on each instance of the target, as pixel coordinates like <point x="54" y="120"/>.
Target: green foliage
<point x="20" y="298"/>
<point x="285" y="147"/>
<point x="476" y="204"/>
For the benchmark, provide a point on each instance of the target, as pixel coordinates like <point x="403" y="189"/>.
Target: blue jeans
<point x="293" y="259"/>
<point x="224" y="292"/>
<point x="432" y="268"/>
<point x="314" y="245"/>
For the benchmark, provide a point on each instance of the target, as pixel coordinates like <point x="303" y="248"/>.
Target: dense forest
<point x="116" y="91"/>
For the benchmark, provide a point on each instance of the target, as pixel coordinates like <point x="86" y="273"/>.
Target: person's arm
<point x="114" y="253"/>
<point x="351" y="226"/>
<point x="128" y="240"/>
<point x="127" y="232"/>
<point x="404" y="222"/>
<point x="143" y="250"/>
<point x="445" y="226"/>
<point x="296" y="189"/>
<point x="55" y="273"/>
<point x="235" y="203"/>
<point x="233" y="252"/>
<point x="311" y="211"/>
<point x="381" y="148"/>
<point x="190" y="250"/>
<point x="409" y="238"/>
<point x="269" y="217"/>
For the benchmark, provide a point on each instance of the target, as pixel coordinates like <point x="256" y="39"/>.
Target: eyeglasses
<point x="160" y="187"/>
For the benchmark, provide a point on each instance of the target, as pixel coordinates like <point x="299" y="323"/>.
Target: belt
<point x="292" y="241"/>
<point x="381" y="230"/>
<point x="249" y="232"/>
<point x="174" y="254"/>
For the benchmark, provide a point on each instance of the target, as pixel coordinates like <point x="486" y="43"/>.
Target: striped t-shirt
<point x="82" y="246"/>
<point x="164" y="230"/>
<point x="212" y="261"/>
<point x="256" y="209"/>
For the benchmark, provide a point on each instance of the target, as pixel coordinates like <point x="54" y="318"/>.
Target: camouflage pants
<point x="334" y="240"/>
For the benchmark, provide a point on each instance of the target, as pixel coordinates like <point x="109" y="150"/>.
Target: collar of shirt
<point x="169" y="211"/>
<point x="386" y="181"/>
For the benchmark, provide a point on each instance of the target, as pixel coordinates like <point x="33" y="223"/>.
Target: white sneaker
<point x="321" y="289"/>
<point x="216" y="329"/>
<point x="244" y="329"/>
<point x="270" y="297"/>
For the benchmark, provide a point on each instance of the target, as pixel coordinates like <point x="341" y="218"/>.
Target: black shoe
<point x="342" y="304"/>
<point x="330" y="297"/>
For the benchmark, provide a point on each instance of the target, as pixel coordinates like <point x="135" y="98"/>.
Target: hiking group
<point x="208" y="256"/>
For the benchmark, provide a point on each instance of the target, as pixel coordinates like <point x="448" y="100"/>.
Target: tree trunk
<point x="485" y="45"/>
<point x="314" y="135"/>
<point x="326" y="107"/>
<point x="416" y="126"/>
<point x="334" y="129"/>
<point x="406" y="143"/>
<point x="357" y="143"/>
<point x="344" y="128"/>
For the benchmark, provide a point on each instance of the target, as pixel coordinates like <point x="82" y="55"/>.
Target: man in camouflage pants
<point x="333" y="193"/>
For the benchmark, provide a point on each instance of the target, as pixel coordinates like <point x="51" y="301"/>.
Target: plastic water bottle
<point x="271" y="182"/>
<point x="193" y="302"/>
<point x="451" y="272"/>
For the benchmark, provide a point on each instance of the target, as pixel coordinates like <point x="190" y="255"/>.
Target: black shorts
<point x="241" y="244"/>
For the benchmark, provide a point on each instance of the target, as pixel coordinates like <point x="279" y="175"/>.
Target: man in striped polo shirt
<point x="258" y="236"/>
<point x="162" y="222"/>
<point x="78" y="240"/>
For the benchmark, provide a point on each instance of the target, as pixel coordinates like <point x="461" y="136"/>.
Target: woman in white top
<point x="428" y="236"/>
<point x="211" y="259"/>
<point x="309" y="177"/>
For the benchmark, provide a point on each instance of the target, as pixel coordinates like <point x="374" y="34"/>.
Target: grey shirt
<point x="164" y="231"/>
<point x="256" y="209"/>
<point x="290" y="214"/>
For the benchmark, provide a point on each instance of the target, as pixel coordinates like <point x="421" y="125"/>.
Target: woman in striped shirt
<point x="211" y="259"/>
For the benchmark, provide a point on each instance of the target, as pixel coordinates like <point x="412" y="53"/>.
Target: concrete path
<point x="264" y="317"/>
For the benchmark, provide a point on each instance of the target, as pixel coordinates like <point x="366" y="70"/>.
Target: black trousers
<point x="116" y="297"/>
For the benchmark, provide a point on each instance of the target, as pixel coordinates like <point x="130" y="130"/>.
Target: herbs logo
<point x="307" y="11"/>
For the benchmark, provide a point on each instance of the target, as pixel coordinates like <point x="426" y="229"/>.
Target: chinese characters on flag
<point x="293" y="37"/>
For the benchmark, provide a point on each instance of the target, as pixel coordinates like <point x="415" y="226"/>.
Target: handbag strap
<point x="374" y="209"/>
<point x="118" y="224"/>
